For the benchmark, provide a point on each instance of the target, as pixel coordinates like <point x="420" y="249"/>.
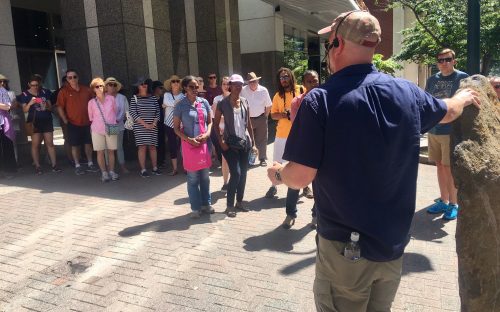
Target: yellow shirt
<point x="281" y="105"/>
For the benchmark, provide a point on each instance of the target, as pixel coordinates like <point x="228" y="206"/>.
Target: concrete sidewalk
<point x="71" y="243"/>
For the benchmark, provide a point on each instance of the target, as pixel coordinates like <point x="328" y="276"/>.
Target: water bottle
<point x="352" y="250"/>
<point x="251" y="157"/>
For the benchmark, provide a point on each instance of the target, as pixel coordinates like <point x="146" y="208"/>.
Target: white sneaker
<point x="114" y="176"/>
<point x="105" y="177"/>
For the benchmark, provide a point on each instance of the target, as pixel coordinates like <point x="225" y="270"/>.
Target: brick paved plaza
<point x="71" y="243"/>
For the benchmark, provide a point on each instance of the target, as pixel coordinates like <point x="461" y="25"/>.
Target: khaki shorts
<point x="354" y="286"/>
<point x="439" y="148"/>
<point x="101" y="142"/>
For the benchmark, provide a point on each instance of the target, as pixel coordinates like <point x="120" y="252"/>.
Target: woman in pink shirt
<point x="102" y="110"/>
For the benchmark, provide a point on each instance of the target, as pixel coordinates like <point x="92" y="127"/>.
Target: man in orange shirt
<point x="280" y="111"/>
<point x="72" y="102"/>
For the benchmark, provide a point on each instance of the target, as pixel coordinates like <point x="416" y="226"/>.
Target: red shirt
<point x="75" y="104"/>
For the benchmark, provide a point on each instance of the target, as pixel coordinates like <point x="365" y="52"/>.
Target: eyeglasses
<point x="114" y="85"/>
<point x="143" y="85"/>
<point x="34" y="85"/>
<point x="212" y="77"/>
<point x="99" y="87"/>
<point x="175" y="81"/>
<point x="328" y="45"/>
<point x="192" y="87"/>
<point x="285" y="77"/>
<point x="72" y="77"/>
<point x="446" y="59"/>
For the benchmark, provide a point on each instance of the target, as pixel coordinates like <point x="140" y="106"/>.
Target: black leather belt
<point x="258" y="116"/>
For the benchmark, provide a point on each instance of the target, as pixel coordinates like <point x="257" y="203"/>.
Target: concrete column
<point x="262" y="40"/>
<point x="126" y="39"/>
<point x="8" y="61"/>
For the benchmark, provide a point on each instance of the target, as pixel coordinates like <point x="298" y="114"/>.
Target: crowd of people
<point x="175" y="116"/>
<point x="355" y="139"/>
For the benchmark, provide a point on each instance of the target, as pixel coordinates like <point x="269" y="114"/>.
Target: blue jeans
<point x="237" y="161"/>
<point x="292" y="197"/>
<point x="198" y="186"/>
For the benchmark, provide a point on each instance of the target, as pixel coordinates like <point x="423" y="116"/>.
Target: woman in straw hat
<point x="172" y="96"/>
<point x="112" y="87"/>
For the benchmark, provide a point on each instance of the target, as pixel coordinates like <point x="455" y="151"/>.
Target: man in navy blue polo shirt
<point x="357" y="138"/>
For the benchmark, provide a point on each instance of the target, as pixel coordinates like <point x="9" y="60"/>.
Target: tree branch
<point x="414" y="9"/>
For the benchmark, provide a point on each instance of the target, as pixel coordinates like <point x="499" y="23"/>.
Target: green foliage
<point x="443" y="24"/>
<point x="388" y="66"/>
<point x="295" y="58"/>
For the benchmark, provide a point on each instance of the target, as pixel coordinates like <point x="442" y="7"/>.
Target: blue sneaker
<point x="451" y="213"/>
<point x="438" y="207"/>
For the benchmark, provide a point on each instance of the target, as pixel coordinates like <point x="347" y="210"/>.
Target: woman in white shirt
<point x="112" y="87"/>
<point x="217" y="99"/>
<point x="172" y="96"/>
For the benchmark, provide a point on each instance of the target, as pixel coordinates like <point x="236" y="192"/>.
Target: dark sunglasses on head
<point x="212" y="77"/>
<point x="99" y="86"/>
<point x="114" y="85"/>
<point x="286" y="77"/>
<point x="72" y="77"/>
<point x="175" y="81"/>
<point x="446" y="59"/>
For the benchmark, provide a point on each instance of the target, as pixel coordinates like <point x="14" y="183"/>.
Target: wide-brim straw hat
<point x="251" y="76"/>
<point x="2" y="77"/>
<point x="113" y="80"/>
<point x="167" y="83"/>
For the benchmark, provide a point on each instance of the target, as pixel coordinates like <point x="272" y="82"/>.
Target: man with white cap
<point x="260" y="104"/>
<point x="357" y="138"/>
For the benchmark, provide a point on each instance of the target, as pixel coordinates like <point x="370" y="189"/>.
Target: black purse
<point x="235" y="142"/>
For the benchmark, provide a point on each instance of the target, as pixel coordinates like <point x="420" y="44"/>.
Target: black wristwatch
<point x="277" y="175"/>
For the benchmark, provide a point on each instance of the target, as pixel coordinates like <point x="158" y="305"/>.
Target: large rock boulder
<point x="476" y="169"/>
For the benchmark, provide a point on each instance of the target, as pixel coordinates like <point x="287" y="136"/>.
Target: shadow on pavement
<point x="215" y="196"/>
<point x="278" y="239"/>
<point x="130" y="187"/>
<point x="297" y="266"/>
<point x="180" y="223"/>
<point x="427" y="227"/>
<point x="262" y="203"/>
<point x="415" y="263"/>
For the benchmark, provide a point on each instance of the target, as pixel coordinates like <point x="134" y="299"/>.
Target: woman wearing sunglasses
<point x="172" y="96"/>
<point x="112" y="87"/>
<point x="102" y="112"/>
<point x="36" y="102"/>
<point x="145" y="111"/>
<point x="195" y="115"/>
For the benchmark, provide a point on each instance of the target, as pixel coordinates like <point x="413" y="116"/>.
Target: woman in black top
<point x="236" y="142"/>
<point x="36" y="102"/>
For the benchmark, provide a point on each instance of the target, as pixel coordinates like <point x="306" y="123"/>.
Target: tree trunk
<point x="486" y="64"/>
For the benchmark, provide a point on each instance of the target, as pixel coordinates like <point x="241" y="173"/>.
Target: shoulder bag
<point x="110" y="129"/>
<point x="234" y="141"/>
<point x="129" y="122"/>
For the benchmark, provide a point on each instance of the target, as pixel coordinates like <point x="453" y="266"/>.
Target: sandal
<point x="174" y="172"/>
<point x="38" y="171"/>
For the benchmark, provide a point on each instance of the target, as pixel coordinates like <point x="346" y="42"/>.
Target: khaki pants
<point x="259" y="126"/>
<point x="342" y="285"/>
